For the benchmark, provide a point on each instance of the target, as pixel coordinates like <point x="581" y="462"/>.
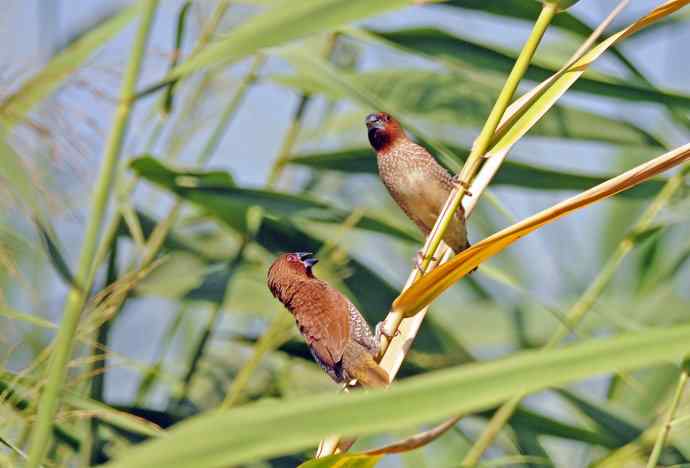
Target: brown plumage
<point x="337" y="335"/>
<point x="417" y="183"/>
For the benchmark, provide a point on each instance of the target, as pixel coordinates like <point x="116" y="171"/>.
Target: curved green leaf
<point x="283" y="23"/>
<point x="529" y="10"/>
<point x="518" y="174"/>
<point x="524" y="10"/>
<point x="446" y="98"/>
<point x="463" y="52"/>
<point x="271" y="428"/>
<point x="215" y="193"/>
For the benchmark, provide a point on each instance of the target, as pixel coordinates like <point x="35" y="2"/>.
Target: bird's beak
<point x="307" y="258"/>
<point x="373" y="121"/>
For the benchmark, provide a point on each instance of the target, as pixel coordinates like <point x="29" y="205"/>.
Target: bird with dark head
<point x="418" y="184"/>
<point x="335" y="331"/>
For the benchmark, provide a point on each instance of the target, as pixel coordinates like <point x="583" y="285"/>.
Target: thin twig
<point x="666" y="428"/>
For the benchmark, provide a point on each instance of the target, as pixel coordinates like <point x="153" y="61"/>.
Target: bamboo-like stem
<point x="408" y="327"/>
<point x="98" y="368"/>
<point x="394" y="322"/>
<point x="473" y="162"/>
<point x="57" y="368"/>
<point x="666" y="428"/>
<point x="481" y="144"/>
<point x="578" y="311"/>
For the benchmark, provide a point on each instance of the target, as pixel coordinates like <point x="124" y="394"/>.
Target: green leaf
<point x="285" y="22"/>
<point x="266" y="429"/>
<point x="462" y="52"/>
<point x="11" y="390"/>
<point x="613" y="424"/>
<point x="171" y="242"/>
<point x="14" y="314"/>
<point x="529" y="10"/>
<point x="54" y="252"/>
<point x="277" y="233"/>
<point x="524" y="10"/>
<point x="17" y="451"/>
<point x="444" y="98"/>
<point x="617" y="425"/>
<point x="655" y="386"/>
<point x="16" y="177"/>
<point x="179" y="274"/>
<point x="16" y="106"/>
<point x="543" y="425"/>
<point x="518" y="174"/>
<point x="114" y="417"/>
<point x="215" y="193"/>
<point x="530" y="445"/>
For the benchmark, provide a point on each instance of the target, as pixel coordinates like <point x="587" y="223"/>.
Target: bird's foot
<point x="379" y="332"/>
<point x="419" y="261"/>
<point x="462" y="185"/>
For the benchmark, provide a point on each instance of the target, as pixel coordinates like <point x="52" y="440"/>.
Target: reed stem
<point x="57" y="367"/>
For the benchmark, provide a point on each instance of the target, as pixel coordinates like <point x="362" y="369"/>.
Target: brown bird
<point x="417" y="183"/>
<point x="337" y="335"/>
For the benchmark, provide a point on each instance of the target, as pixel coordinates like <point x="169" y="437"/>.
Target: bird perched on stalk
<point x="337" y="335"/>
<point x="417" y="183"/>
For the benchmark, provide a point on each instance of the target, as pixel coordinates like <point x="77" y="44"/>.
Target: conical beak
<point x="307" y="258"/>
<point x="373" y="121"/>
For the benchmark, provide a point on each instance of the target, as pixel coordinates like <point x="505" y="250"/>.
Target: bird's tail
<point x="374" y="376"/>
<point x="360" y="364"/>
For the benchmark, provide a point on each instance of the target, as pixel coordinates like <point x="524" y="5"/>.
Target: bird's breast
<point x="412" y="185"/>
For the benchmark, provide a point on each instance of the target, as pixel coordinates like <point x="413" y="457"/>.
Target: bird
<point x="418" y="184"/>
<point x="337" y="334"/>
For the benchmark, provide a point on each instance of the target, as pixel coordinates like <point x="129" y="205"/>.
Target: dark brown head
<point x="383" y="130"/>
<point x="288" y="268"/>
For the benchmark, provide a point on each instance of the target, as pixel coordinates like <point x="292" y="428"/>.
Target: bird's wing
<point x="360" y="331"/>
<point x="322" y="316"/>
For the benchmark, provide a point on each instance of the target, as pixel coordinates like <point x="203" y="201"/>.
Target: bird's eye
<point x="292" y="257"/>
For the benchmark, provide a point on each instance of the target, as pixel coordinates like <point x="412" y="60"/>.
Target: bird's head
<point x="382" y="130"/>
<point x="289" y="267"/>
